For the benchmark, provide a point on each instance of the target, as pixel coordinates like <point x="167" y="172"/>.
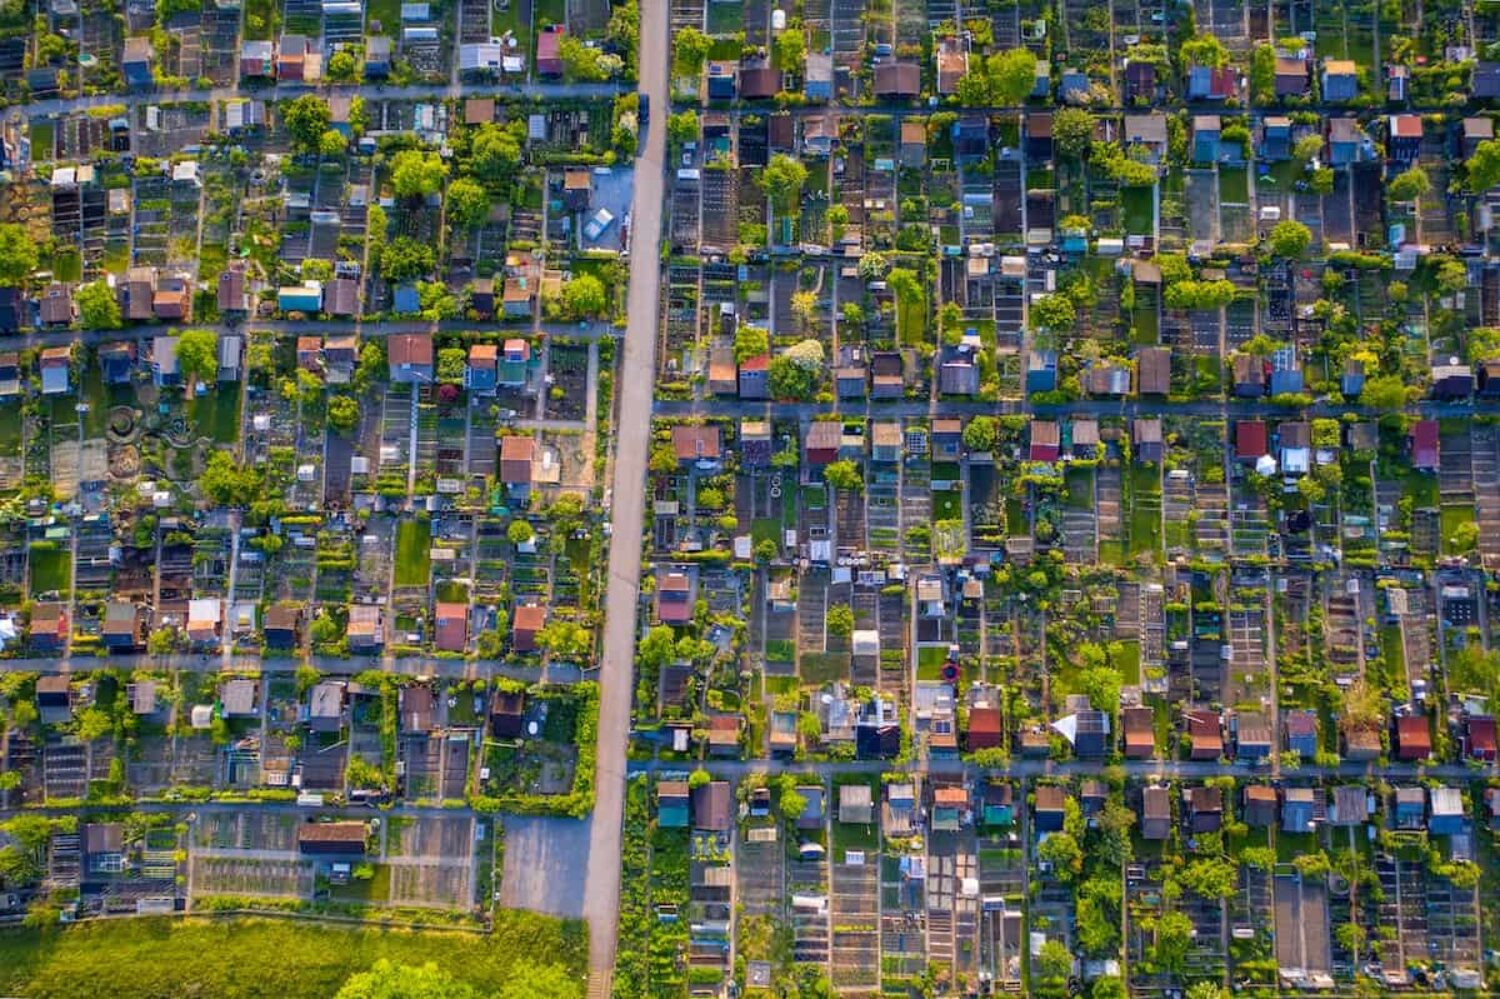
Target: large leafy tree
<point x="98" y="309"/>
<point x="1012" y="75"/>
<point x="689" y="51"/>
<point x="468" y="204"/>
<point x="18" y="255"/>
<point x="1072" y="131"/>
<point x="584" y="297"/>
<point x="1289" y="239"/>
<point x="1484" y="166"/>
<point x="417" y="174"/>
<point x="783" y="180"/>
<point x="495" y="153"/>
<point x="198" y="354"/>
<point x="388" y="980"/>
<point x="306" y="119"/>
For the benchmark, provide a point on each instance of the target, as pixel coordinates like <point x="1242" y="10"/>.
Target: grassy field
<point x="413" y="552"/>
<point x="240" y="959"/>
<point x="51" y="569"/>
<point x="1140" y="210"/>
<point x="217" y="414"/>
<point x="1145" y="508"/>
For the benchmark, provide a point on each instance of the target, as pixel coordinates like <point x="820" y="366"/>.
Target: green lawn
<point x="819" y="668"/>
<point x="51" y="569"/>
<point x="1454" y="515"/>
<point x="43" y="138"/>
<point x="217" y="414"/>
<point x="67" y="265"/>
<point x="1145" y="508"/>
<point x="1127" y="659"/>
<point x="1080" y="488"/>
<point x="152" y="958"/>
<point x="1234" y="186"/>
<point x="930" y="659"/>
<point x="947" y="504"/>
<point x="413" y="552"/>
<point x="1140" y="215"/>
<point x="911" y="319"/>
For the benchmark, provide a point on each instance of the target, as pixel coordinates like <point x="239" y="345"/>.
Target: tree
<point x="529" y="980"/>
<point x="790" y="381"/>
<point x="1289" y="239"/>
<point x="1484" y="166"/>
<point x="450" y="365"/>
<point x="840" y="620"/>
<point x="1321" y="181"/>
<point x="94" y="723"/>
<point x="844" y="474"/>
<point x="1102" y="686"/>
<point x="1308" y="148"/>
<point x="1204" y="50"/>
<point x="1012" y="75"/>
<point x="417" y="174"/>
<point x="198" y="355"/>
<point x="682" y="127"/>
<point x="388" y="980"/>
<point x="18" y="255"/>
<point x="1387" y="392"/>
<point x="973" y="90"/>
<point x="495" y="153"/>
<point x="805" y="307"/>
<point x="1452" y="276"/>
<point x="783" y="180"/>
<point x="226" y="484"/>
<point x="343" y="413"/>
<point x="981" y="433"/>
<point x="467" y="203"/>
<point x="873" y="266"/>
<point x="98" y="309"/>
<point x="690" y="48"/>
<point x="1054" y="961"/>
<point x="1108" y="987"/>
<point x="1174" y="933"/>
<point x="306" y="119"/>
<point x="519" y="532"/>
<point x="584" y="297"/>
<point x="623" y="32"/>
<point x="1350" y="936"/>
<point x="343" y="67"/>
<point x="565" y="639"/>
<point x="1053" y="313"/>
<point x="1210" y="990"/>
<point x="403" y="258"/>
<point x="581" y="63"/>
<point x="1062" y="851"/>
<point x="791" y="49"/>
<point x="332" y="144"/>
<point x="1193" y="294"/>
<point x="1409" y="185"/>
<point x="1473" y="670"/>
<point x="750" y="341"/>
<point x="1072" y="132"/>
<point x="1211" y="877"/>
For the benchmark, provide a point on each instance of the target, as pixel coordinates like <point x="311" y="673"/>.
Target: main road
<point x="637" y="379"/>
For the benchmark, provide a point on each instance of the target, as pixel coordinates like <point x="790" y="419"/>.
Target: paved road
<point x="286" y="91"/>
<point x="1137" y="769"/>
<point x="454" y="669"/>
<point x="277" y="327"/>
<point x="636" y="383"/>
<point x="1215" y="409"/>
